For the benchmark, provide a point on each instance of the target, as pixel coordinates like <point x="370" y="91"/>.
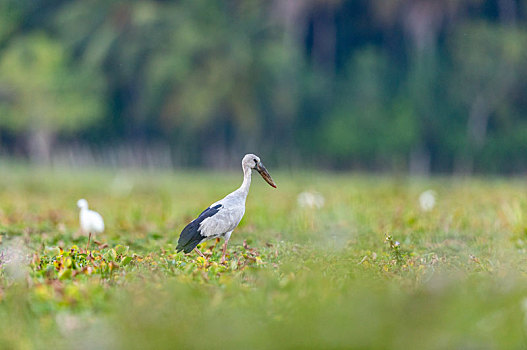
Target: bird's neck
<point x="244" y="188"/>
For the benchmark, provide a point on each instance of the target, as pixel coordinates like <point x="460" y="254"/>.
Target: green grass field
<point x="327" y="278"/>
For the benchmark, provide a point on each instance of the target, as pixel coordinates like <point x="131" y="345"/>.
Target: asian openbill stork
<point x="222" y="217"/>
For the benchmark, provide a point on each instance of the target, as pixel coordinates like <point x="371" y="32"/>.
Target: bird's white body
<point x="223" y="216"/>
<point x="91" y="222"/>
<point x="230" y="213"/>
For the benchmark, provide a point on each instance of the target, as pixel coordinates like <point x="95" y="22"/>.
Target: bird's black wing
<point x="190" y="236"/>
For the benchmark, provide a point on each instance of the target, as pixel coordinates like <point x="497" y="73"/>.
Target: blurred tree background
<point x="401" y="85"/>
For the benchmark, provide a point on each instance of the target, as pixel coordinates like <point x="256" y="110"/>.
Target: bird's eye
<point x="255" y="161"/>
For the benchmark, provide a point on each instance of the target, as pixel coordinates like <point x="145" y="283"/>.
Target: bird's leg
<point x="222" y="261"/>
<point x="200" y="253"/>
<point x="227" y="237"/>
<point x="88" y="245"/>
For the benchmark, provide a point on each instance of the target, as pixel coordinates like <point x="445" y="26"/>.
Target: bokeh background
<point x="415" y="86"/>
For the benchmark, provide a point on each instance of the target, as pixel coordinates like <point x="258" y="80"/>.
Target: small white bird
<point x="91" y="222"/>
<point x="222" y="217"/>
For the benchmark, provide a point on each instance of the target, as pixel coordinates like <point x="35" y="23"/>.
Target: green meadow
<point x="368" y="269"/>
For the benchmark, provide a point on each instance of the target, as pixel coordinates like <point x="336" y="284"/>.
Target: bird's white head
<point x="252" y="161"/>
<point x="82" y="204"/>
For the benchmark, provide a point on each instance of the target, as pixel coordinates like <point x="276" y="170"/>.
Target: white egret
<point x="91" y="222"/>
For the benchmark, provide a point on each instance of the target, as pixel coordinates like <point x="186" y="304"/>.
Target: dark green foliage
<point x="433" y="85"/>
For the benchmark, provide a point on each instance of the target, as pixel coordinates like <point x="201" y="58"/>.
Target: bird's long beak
<point x="265" y="174"/>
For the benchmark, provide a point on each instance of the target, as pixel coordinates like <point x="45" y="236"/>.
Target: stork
<point x="222" y="217"/>
<point x="91" y="222"/>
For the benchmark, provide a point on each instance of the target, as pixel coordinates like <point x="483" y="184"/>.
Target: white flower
<point x="14" y="258"/>
<point x="397" y="243"/>
<point x="67" y="323"/>
<point x="427" y="200"/>
<point x="311" y="199"/>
